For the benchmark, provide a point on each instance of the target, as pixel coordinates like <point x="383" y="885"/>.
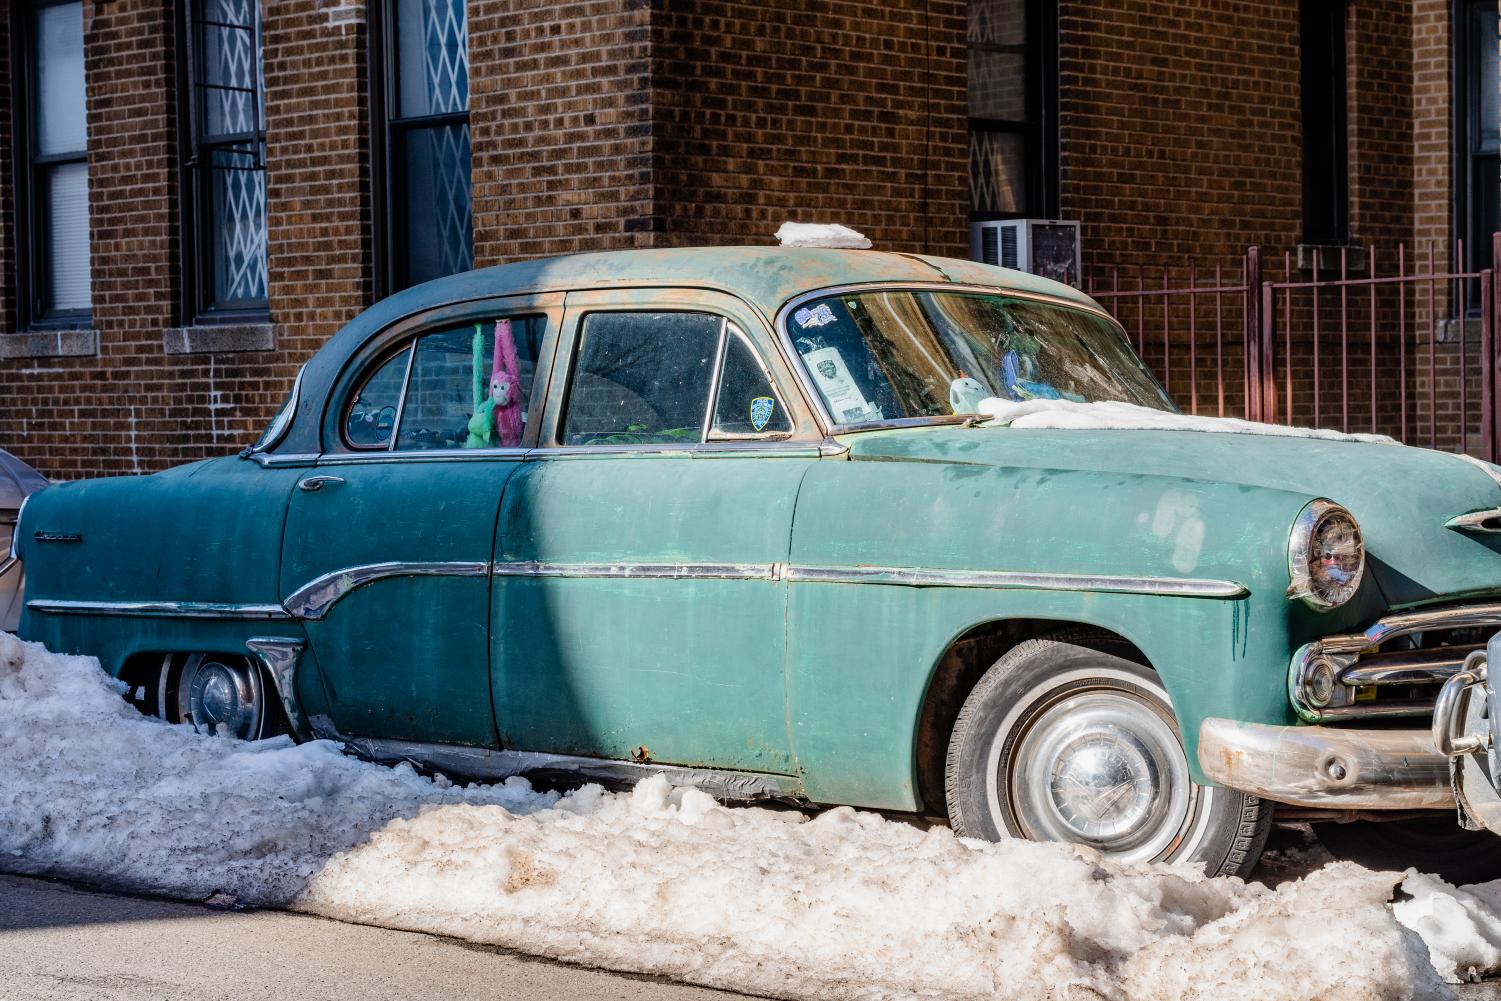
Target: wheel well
<point x="141" y="672"/>
<point x="960" y="669"/>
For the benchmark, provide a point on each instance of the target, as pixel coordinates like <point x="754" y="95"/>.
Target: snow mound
<point x="663" y="880"/>
<point x="1104" y="415"/>
<point x="831" y="235"/>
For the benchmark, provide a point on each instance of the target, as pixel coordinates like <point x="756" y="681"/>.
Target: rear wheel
<point x="217" y="693"/>
<point x="1063" y="741"/>
<point x="1430" y="844"/>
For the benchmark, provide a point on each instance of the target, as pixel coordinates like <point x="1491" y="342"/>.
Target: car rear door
<point x="388" y="540"/>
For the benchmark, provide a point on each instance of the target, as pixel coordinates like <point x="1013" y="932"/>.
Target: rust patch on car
<point x="641" y="755"/>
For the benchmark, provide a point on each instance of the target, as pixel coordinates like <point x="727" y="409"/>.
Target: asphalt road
<point x="64" y="943"/>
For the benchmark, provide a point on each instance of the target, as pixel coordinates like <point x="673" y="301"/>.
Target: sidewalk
<point x="61" y="943"/>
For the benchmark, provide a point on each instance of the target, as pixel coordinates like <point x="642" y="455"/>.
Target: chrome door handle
<point x="315" y="483"/>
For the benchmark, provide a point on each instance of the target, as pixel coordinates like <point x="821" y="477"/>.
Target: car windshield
<point x="904" y="353"/>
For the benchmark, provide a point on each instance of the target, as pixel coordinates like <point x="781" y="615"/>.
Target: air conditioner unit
<point x="1046" y="247"/>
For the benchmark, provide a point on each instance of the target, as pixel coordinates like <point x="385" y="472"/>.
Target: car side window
<point x="641" y="378"/>
<point x="461" y="387"/>
<point x="747" y="405"/>
<point x="372" y="415"/>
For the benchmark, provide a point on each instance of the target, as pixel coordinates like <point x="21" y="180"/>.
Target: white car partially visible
<point x="17" y="482"/>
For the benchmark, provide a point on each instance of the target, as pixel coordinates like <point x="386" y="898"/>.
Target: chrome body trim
<point x="280" y="655"/>
<point x="494" y="765"/>
<point x="159" y="609"/>
<point x="282" y="422"/>
<point x="670" y="571"/>
<point x="1325" y="767"/>
<point x="15" y="534"/>
<point x="267" y="459"/>
<point x="922" y="577"/>
<point x="419" y="455"/>
<point x="1488" y="521"/>
<point x="810" y="391"/>
<point x="314" y="599"/>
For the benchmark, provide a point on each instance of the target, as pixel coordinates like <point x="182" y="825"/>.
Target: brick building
<point x="194" y="194"/>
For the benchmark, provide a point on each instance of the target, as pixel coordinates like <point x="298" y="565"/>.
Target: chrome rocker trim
<point x="627" y="571"/>
<point x="495" y="765"/>
<point x="153" y="609"/>
<point x="1324" y="767"/>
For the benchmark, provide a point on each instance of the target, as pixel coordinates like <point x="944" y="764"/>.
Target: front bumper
<point x="1327" y="767"/>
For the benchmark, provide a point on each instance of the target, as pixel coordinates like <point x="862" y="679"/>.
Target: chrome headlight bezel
<point x="1303" y="584"/>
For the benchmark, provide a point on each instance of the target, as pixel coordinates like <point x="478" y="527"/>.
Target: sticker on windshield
<point x="815" y="317"/>
<point x="846" y="402"/>
<point x="760" y="412"/>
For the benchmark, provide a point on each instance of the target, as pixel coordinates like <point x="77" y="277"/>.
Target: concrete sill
<point x="219" y="338"/>
<point x="50" y="344"/>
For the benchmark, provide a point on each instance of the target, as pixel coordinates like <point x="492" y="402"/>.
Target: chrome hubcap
<point x="1102" y="768"/>
<point x="220" y="697"/>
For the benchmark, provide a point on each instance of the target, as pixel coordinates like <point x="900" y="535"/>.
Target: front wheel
<point x="1062" y="741"/>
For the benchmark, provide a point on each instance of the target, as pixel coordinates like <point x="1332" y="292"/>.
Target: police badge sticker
<point x="761" y="409"/>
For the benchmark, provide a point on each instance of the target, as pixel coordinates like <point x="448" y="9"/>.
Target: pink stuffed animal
<point x="505" y="387"/>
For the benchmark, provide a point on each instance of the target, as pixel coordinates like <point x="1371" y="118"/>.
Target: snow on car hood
<point x="1107" y="414"/>
<point x="665" y="881"/>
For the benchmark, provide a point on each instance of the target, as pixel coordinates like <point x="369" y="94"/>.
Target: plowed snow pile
<point x="665" y="881"/>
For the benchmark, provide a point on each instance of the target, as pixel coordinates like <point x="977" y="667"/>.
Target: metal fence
<point x="1374" y="340"/>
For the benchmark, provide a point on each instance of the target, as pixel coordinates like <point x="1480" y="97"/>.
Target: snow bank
<point x="666" y="881"/>
<point x="1109" y="414"/>
<point x="810" y="234"/>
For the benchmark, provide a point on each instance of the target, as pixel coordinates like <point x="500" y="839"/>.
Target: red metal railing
<point x="1376" y="341"/>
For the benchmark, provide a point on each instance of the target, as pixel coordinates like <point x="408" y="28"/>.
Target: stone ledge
<point x="219" y="338"/>
<point x="50" y="344"/>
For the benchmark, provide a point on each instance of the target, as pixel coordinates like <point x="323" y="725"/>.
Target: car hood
<point x="1403" y="497"/>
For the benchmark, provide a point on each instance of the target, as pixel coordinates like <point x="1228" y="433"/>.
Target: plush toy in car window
<point x="496" y="422"/>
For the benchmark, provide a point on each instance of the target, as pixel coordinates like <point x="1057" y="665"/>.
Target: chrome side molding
<point x="1184" y="587"/>
<point x="155" y="609"/>
<point x="315" y="598"/>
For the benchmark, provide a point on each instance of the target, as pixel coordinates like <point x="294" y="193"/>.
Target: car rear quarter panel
<point x="208" y="532"/>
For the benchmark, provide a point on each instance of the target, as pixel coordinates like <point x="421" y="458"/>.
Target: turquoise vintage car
<point x="729" y="513"/>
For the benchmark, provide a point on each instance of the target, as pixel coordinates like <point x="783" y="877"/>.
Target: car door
<point x="638" y="604"/>
<point x="388" y="541"/>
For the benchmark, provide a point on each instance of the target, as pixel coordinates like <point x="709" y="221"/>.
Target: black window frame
<point x="198" y="304"/>
<point x="1325" y="107"/>
<point x="28" y="184"/>
<point x="1040" y="131"/>
<point x="387" y="179"/>
<point x="1470" y="164"/>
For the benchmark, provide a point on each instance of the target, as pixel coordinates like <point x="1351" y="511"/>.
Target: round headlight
<point x="1325" y="555"/>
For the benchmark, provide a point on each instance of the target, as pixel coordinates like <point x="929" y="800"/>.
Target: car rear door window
<point x="465" y="387"/>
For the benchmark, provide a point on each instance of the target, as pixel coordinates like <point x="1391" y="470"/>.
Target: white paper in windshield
<point x="846" y="403"/>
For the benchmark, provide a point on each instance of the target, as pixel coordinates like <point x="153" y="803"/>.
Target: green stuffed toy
<point x="482" y="423"/>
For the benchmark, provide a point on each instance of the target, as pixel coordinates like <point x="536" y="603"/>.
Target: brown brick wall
<point x="560" y="121"/>
<point x="850" y="112"/>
